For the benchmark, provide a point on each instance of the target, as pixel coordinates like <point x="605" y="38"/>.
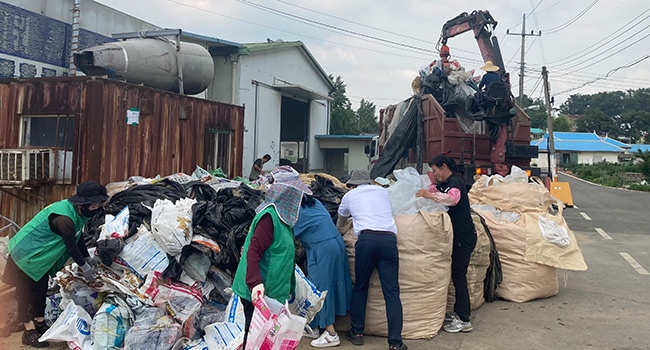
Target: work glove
<point x="88" y="272"/>
<point x="92" y="261"/>
<point x="257" y="292"/>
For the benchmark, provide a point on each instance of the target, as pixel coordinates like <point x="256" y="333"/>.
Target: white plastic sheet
<point x="554" y="233"/>
<point x="402" y="193"/>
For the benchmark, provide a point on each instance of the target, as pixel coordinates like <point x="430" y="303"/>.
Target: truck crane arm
<point x="483" y="24"/>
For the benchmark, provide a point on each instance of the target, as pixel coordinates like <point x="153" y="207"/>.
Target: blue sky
<point x="581" y="41"/>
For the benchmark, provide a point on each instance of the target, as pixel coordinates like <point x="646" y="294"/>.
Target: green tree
<point x="644" y="165"/>
<point x="343" y="119"/>
<point x="366" y="117"/>
<point x="596" y="121"/>
<point x="562" y="123"/>
<point x="635" y="124"/>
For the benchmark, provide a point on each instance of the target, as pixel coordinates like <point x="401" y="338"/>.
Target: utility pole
<point x="549" y="127"/>
<point x="523" y="52"/>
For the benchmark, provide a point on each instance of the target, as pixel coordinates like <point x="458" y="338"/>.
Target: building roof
<point x="344" y="137"/>
<point x="283" y="45"/>
<point x="581" y="142"/>
<point x="638" y="147"/>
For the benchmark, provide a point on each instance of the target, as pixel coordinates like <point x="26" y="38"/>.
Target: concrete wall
<point x="257" y="73"/>
<point x="35" y="35"/>
<point x="583" y="158"/>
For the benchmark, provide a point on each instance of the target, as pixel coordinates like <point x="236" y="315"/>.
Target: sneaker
<point x="398" y="347"/>
<point x="326" y="340"/>
<point x="450" y="316"/>
<point x="308" y="332"/>
<point x="457" y="325"/>
<point x="30" y="338"/>
<point x="41" y="327"/>
<point x="356" y="339"/>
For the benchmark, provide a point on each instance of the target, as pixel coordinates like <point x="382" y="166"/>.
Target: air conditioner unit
<point x="26" y="166"/>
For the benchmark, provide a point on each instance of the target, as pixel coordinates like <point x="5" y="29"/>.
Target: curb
<point x="595" y="184"/>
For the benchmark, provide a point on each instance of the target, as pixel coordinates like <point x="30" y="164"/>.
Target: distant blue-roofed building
<point x="579" y="148"/>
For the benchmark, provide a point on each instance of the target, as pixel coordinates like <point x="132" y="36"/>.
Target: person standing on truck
<point x="376" y="248"/>
<point x="42" y="247"/>
<point x="256" y="169"/>
<point x="450" y="190"/>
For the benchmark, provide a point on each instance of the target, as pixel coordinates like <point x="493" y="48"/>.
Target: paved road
<point x="605" y="307"/>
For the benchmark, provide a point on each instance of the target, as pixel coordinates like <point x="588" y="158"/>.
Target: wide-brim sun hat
<point x="489" y="67"/>
<point x="294" y="181"/>
<point x="359" y="177"/>
<point x="89" y="192"/>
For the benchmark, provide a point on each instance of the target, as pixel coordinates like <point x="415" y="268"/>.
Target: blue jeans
<point x="377" y="250"/>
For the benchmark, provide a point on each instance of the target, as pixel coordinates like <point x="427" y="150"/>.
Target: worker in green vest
<point x="268" y="257"/>
<point x="42" y="247"/>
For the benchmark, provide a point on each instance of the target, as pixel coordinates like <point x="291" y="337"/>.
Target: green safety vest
<point x="38" y="250"/>
<point x="277" y="264"/>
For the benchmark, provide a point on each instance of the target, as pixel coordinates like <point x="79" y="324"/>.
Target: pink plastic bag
<point x="273" y="327"/>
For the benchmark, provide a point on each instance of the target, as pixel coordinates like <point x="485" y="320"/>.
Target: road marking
<point x="585" y="216"/>
<point x="602" y="233"/>
<point x="575" y="206"/>
<point x="634" y="264"/>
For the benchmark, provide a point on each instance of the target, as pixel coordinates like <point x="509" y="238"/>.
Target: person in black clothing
<point x="256" y="169"/>
<point x="451" y="191"/>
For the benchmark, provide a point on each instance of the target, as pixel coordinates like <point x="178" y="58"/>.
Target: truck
<point x="435" y="120"/>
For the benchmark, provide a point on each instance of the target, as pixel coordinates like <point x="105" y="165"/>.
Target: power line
<point x="332" y="27"/>
<point x="571" y="21"/>
<point x="354" y="22"/>
<point x="631" y="64"/>
<point x="607" y="37"/>
<point x="300" y="34"/>
<point x="598" y="55"/>
<point x="550" y="7"/>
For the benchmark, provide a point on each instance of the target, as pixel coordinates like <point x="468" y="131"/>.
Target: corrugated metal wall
<point x="170" y="136"/>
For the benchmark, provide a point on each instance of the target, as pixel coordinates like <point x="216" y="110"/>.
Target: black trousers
<point x="30" y="295"/>
<point x="248" y="314"/>
<point x="377" y="251"/>
<point x="459" y="262"/>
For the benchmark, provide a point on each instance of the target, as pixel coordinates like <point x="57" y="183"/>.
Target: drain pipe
<point x="234" y="86"/>
<point x="74" y="44"/>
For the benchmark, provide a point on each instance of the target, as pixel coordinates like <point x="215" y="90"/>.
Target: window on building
<point x="55" y="132"/>
<point x="219" y="143"/>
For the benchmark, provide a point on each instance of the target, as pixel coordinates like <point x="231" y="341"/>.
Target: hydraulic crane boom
<point x="483" y="24"/>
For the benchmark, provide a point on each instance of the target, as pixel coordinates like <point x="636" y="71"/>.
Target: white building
<point x="344" y="153"/>
<point x="578" y="148"/>
<point x="286" y="95"/>
<point x="283" y="88"/>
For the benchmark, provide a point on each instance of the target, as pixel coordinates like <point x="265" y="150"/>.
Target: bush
<point x="612" y="175"/>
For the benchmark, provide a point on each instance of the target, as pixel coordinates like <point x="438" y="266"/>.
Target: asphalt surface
<point x="605" y="307"/>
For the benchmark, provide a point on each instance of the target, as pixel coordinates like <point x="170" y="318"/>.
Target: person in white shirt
<point x="376" y="248"/>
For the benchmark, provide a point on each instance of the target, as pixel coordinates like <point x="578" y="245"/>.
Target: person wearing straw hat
<point x="370" y="210"/>
<point x="490" y="75"/>
<point x="42" y="247"/>
<point x="268" y="256"/>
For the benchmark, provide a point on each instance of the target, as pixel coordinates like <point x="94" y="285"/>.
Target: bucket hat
<point x="89" y="192"/>
<point x="359" y="177"/>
